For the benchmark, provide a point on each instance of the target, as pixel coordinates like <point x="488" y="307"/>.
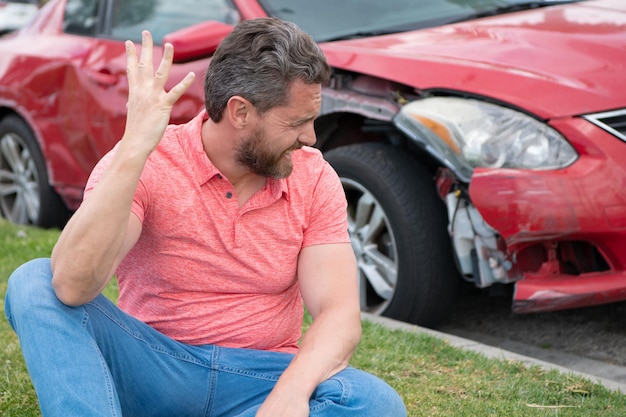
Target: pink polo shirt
<point x="205" y="271"/>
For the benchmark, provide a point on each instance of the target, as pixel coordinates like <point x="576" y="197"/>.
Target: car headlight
<point x="468" y="133"/>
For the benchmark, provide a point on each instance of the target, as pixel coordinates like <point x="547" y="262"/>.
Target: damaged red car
<point x="477" y="140"/>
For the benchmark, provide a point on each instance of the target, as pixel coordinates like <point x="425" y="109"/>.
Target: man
<point x="218" y="231"/>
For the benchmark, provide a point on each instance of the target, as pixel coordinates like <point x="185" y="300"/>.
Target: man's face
<point x="266" y="151"/>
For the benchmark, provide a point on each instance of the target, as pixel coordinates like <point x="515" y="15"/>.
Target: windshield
<point x="342" y="19"/>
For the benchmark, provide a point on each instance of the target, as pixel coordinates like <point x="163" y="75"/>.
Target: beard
<point x="254" y="154"/>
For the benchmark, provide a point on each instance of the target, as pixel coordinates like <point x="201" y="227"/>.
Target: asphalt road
<point x="591" y="340"/>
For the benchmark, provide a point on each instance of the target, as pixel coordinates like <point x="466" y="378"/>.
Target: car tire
<point x="398" y="229"/>
<point x="25" y="194"/>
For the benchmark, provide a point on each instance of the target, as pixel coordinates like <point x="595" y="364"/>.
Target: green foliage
<point x="433" y="378"/>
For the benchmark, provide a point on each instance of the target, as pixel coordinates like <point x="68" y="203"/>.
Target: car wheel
<point x="25" y="195"/>
<point x="397" y="226"/>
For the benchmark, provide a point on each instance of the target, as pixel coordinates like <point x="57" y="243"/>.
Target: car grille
<point x="613" y="122"/>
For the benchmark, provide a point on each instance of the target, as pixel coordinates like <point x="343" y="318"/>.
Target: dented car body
<point x="476" y="140"/>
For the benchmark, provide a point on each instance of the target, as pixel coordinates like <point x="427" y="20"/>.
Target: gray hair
<point x="258" y="61"/>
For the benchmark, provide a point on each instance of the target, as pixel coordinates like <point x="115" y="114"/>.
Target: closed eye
<point x="303" y="122"/>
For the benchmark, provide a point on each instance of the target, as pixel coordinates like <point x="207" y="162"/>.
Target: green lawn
<point x="434" y="378"/>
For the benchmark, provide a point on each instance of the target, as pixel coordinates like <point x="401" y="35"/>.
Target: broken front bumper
<point x="564" y="230"/>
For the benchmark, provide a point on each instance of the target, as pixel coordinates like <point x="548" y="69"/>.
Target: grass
<point x="433" y="378"/>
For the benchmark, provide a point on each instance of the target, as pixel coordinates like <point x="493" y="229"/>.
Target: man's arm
<point x="328" y="281"/>
<point x="103" y="230"/>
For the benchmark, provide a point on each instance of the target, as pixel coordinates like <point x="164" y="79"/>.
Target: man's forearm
<point x="326" y="349"/>
<point x="84" y="257"/>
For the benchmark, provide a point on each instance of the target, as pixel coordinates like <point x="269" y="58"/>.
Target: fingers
<point x="179" y="89"/>
<point x="163" y="72"/>
<point x="131" y="57"/>
<point x="149" y="104"/>
<point x="140" y="71"/>
<point x="137" y="69"/>
<point x="145" y="62"/>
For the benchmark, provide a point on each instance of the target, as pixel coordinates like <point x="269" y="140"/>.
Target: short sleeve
<point x="328" y="222"/>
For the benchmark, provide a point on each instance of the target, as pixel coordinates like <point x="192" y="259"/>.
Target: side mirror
<point x="197" y="41"/>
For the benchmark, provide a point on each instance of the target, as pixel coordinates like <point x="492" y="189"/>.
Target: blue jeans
<point x="96" y="360"/>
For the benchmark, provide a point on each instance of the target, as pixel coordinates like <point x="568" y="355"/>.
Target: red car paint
<point x="555" y="63"/>
<point x="549" y="61"/>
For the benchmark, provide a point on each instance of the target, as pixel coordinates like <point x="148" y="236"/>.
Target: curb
<point x="492" y="352"/>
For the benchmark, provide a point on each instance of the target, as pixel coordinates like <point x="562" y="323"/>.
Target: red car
<point x="476" y="140"/>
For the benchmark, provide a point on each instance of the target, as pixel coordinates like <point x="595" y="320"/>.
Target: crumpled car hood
<point x="554" y="62"/>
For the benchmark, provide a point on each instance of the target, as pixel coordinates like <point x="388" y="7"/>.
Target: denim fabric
<point x="95" y="360"/>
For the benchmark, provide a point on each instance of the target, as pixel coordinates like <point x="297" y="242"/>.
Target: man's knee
<point x="28" y="284"/>
<point x="379" y="398"/>
<point x="353" y="392"/>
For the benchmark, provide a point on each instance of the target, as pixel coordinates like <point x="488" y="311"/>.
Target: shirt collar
<point x="191" y="141"/>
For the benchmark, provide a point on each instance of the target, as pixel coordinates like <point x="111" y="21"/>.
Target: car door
<point x="74" y="143"/>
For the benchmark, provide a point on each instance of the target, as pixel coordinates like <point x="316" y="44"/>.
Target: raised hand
<point x="149" y="105"/>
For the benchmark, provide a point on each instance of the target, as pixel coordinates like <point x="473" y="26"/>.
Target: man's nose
<point x="308" y="137"/>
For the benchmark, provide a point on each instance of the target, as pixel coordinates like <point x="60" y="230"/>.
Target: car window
<point x="161" y="17"/>
<point x="81" y="17"/>
<point x="358" y="18"/>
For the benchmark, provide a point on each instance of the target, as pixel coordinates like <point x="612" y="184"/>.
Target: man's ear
<point x="239" y="110"/>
